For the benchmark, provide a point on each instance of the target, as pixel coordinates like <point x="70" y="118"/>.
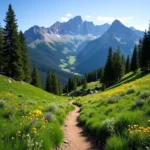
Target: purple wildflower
<point x="48" y="116"/>
<point x="13" y="107"/>
<point x="34" y="121"/>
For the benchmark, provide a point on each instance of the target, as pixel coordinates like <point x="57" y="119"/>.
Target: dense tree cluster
<point x="114" y="67"/>
<point x="94" y="75"/>
<point x="52" y="84"/>
<point x="144" y="52"/>
<point x="72" y="84"/>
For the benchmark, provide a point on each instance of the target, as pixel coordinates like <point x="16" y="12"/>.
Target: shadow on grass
<point x="95" y="145"/>
<point x="128" y="79"/>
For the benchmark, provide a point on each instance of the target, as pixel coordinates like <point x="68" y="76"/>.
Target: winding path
<point x="74" y="136"/>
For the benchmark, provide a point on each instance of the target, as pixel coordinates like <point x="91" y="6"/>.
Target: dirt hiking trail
<point x="75" y="138"/>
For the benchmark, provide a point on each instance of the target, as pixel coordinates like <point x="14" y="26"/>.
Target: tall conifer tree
<point x="48" y="82"/>
<point x="36" y="81"/>
<point x="1" y="51"/>
<point x="128" y="65"/>
<point x="108" y="70"/>
<point x="25" y="59"/>
<point x="134" y="61"/>
<point x="12" y="62"/>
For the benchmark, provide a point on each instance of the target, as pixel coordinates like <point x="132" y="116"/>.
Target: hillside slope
<point x="119" y="117"/>
<point x="30" y="117"/>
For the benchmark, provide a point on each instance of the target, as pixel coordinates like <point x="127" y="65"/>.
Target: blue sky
<point x="46" y="12"/>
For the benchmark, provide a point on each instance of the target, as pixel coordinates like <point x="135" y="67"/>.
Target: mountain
<point x="56" y="47"/>
<point x="95" y="52"/>
<point x="76" y="26"/>
<point x="138" y="32"/>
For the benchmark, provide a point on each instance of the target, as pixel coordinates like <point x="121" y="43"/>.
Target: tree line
<point x="76" y="81"/>
<point x="14" y="59"/>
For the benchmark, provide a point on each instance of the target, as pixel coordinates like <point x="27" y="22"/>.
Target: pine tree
<point x="148" y="50"/>
<point x="74" y="83"/>
<point x="123" y="62"/>
<point x="12" y="53"/>
<point x="48" y="82"/>
<point x="36" y="81"/>
<point x="25" y="59"/>
<point x="1" y="51"/>
<point x="108" y="70"/>
<point x="128" y="65"/>
<point x="144" y="54"/>
<point x="55" y="85"/>
<point x="140" y="52"/>
<point x="134" y="61"/>
<point x="117" y="68"/>
<point x="84" y="83"/>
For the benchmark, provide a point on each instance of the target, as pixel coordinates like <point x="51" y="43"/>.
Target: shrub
<point x="7" y="114"/>
<point x="51" y="108"/>
<point x="116" y="143"/>
<point x="31" y="102"/>
<point x="112" y="100"/>
<point x="2" y="103"/>
<point x="128" y="118"/>
<point x="130" y="91"/>
<point x="138" y="141"/>
<point x="145" y="94"/>
<point x="106" y="130"/>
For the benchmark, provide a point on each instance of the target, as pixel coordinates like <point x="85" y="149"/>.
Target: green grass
<point x="30" y="117"/>
<point x="71" y="60"/>
<point x="112" y="114"/>
<point x="91" y="85"/>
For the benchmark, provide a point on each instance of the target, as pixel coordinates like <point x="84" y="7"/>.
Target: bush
<point x="112" y="100"/>
<point x="130" y="91"/>
<point x="116" y="143"/>
<point x="145" y="94"/>
<point x="7" y="114"/>
<point x="51" y="108"/>
<point x="106" y="130"/>
<point x="128" y="118"/>
<point x="31" y="102"/>
<point x="2" y="103"/>
<point x="138" y="141"/>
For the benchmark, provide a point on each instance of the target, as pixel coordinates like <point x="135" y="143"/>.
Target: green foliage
<point x="114" y="68"/>
<point x="48" y="85"/>
<point x="130" y="90"/>
<point x="36" y="81"/>
<point x="144" y="94"/>
<point x="12" y="52"/>
<point x="116" y="143"/>
<point x="84" y="83"/>
<point x="128" y="65"/>
<point x="1" y="51"/>
<point x="25" y="59"/>
<point x="135" y="60"/>
<point x="2" y="103"/>
<point x="17" y="115"/>
<point x="109" y="70"/>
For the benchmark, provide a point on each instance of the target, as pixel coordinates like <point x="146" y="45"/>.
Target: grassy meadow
<point x="119" y="117"/>
<point x="30" y="118"/>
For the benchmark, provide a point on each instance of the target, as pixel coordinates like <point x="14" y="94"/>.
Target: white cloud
<point x="69" y="15"/>
<point x="141" y="27"/>
<point x="64" y="19"/>
<point x="111" y="19"/>
<point x="87" y="17"/>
